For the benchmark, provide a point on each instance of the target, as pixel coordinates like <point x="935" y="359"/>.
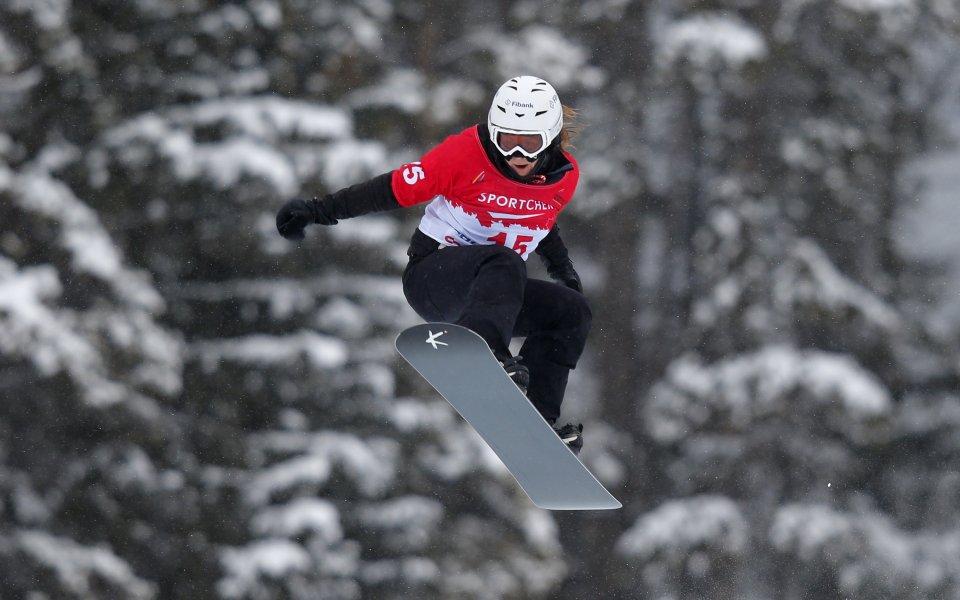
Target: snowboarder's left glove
<point x="296" y="214"/>
<point x="565" y="274"/>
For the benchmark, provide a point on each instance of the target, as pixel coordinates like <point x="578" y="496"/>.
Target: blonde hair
<point x="571" y="127"/>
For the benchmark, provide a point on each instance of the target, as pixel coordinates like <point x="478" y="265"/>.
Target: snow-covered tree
<point x="782" y="131"/>
<point x="195" y="407"/>
<point x="236" y="421"/>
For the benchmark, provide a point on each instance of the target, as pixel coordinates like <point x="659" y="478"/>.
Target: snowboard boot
<point x="517" y="372"/>
<point x="572" y="436"/>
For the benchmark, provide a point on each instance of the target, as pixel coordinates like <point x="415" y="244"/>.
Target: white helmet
<point x="525" y="116"/>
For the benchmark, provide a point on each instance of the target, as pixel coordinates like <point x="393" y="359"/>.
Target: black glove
<point x="565" y="274"/>
<point x="296" y="214"/>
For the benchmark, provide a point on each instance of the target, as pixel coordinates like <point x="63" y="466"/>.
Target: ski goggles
<point x="527" y="143"/>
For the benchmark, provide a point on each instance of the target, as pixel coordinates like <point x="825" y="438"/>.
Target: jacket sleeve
<point x="373" y="195"/>
<point x="553" y="252"/>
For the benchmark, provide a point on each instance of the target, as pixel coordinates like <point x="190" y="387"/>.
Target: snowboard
<point x="460" y="366"/>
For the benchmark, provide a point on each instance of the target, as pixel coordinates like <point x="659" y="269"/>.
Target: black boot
<point x="517" y="372"/>
<point x="572" y="436"/>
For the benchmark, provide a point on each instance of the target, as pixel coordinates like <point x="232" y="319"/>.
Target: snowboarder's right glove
<point x="296" y="214"/>
<point x="373" y="195"/>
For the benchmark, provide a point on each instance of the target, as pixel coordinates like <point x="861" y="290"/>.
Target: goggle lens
<point x="530" y="143"/>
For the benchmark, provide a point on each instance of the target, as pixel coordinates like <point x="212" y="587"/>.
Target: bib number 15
<point x="518" y="243"/>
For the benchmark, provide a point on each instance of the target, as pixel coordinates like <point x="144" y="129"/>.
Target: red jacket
<point x="473" y="203"/>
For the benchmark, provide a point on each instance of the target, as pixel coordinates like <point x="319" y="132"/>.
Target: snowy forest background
<point x="193" y="407"/>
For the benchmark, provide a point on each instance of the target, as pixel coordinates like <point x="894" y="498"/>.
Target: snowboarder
<point x="495" y="189"/>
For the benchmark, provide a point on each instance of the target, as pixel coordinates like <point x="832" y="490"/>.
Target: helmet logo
<point x="516" y="104"/>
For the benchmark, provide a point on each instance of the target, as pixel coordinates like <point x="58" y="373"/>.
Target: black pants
<point x="486" y="289"/>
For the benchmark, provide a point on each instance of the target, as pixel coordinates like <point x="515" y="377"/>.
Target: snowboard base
<point x="461" y="367"/>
